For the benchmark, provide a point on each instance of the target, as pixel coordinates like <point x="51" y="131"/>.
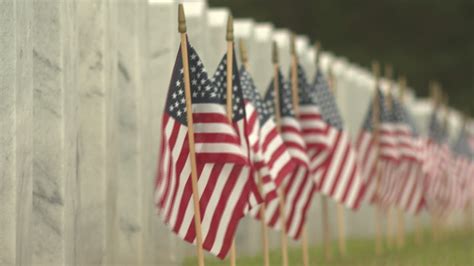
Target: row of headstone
<point x="82" y="89"/>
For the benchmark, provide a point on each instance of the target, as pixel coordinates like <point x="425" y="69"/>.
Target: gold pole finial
<point x="275" y="53"/>
<point x="181" y="19"/>
<point x="292" y="44"/>
<point x="243" y="51"/>
<point x="230" y="29"/>
<point x="436" y="93"/>
<point x="317" y="45"/>
<point x="403" y="87"/>
<point x="376" y="69"/>
<point x="388" y="71"/>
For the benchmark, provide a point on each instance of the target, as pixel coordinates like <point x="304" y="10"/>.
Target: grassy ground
<point x="455" y="248"/>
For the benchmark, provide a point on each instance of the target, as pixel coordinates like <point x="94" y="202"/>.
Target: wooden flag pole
<point x="324" y="200"/>
<point x="418" y="231"/>
<point x="340" y="207"/>
<point x="376" y="122"/>
<point x="389" y="214"/>
<point x="341" y="229"/>
<point x="435" y="98"/>
<point x="326" y="227"/>
<point x="402" y="83"/>
<point x="284" y="244"/>
<point x="442" y="220"/>
<point x="266" y="250"/>
<point x="189" y="117"/>
<point x="229" y="63"/>
<point x="436" y="95"/>
<point x="296" y="107"/>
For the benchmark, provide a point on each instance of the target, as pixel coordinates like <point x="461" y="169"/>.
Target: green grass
<point x="455" y="248"/>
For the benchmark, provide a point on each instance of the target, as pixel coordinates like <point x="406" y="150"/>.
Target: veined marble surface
<point x="7" y="134"/>
<point x="216" y="38"/>
<point x="54" y="132"/>
<point x="82" y="89"/>
<point x="91" y="136"/>
<point x="128" y="243"/>
<point x="110" y="59"/>
<point x="163" y="246"/>
<point x="24" y="131"/>
<point x="197" y="28"/>
<point x="261" y="61"/>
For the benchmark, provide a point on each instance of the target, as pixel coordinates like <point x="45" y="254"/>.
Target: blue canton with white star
<point x="220" y="83"/>
<point x="203" y="89"/>
<point x="461" y="146"/>
<point x="436" y="131"/>
<point x="405" y="116"/>
<point x="327" y="102"/>
<point x="384" y="114"/>
<point x="286" y="104"/>
<point x="251" y="94"/>
<point x="200" y="84"/>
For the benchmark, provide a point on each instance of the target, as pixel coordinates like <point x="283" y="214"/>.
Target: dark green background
<point x="423" y="39"/>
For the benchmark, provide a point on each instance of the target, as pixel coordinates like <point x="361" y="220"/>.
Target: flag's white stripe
<point x="243" y="140"/>
<point x="186" y="172"/>
<point x="346" y="173"/>
<point x="298" y="213"/>
<point x="209" y="108"/>
<point x="316" y="139"/>
<point x="267" y="127"/>
<point x="279" y="163"/>
<point x="332" y="171"/>
<point x="220" y="128"/>
<point x="165" y="169"/>
<point x="270" y="209"/>
<point x="318" y="159"/>
<point x="225" y="217"/>
<point x="309" y="109"/>
<point x="293" y="137"/>
<point x="222" y="148"/>
<point x="354" y="190"/>
<point x="290" y="122"/>
<point x="179" y="193"/>
<point x="293" y="192"/>
<point x="313" y="124"/>
<point x="177" y="149"/>
<point x="410" y="187"/>
<point x="272" y="146"/>
<point x="216" y="194"/>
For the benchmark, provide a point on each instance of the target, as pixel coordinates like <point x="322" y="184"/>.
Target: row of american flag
<point x="296" y="149"/>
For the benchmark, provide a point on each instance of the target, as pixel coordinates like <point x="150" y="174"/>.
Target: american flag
<point x="268" y="152"/>
<point x="333" y="159"/>
<point x="298" y="188"/>
<point x="437" y="158"/>
<point x="463" y="169"/>
<point x="224" y="174"/>
<point x="373" y="156"/>
<point x="396" y="134"/>
<point x="409" y="181"/>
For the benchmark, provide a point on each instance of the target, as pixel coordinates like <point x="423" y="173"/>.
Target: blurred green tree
<point x="423" y="39"/>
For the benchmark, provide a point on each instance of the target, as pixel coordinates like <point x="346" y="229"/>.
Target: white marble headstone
<point x="244" y="30"/>
<point x="7" y="134"/>
<point x="260" y="62"/>
<point x="92" y="135"/>
<point x="283" y="37"/>
<point x="197" y="28"/>
<point x="54" y="132"/>
<point x="130" y="178"/>
<point x="216" y="42"/>
<point x="23" y="131"/>
<point x="163" y="246"/>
